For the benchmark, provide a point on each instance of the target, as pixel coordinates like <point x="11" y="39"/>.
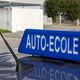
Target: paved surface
<point x="67" y="28"/>
<point x="13" y="39"/>
<point x="14" y="35"/>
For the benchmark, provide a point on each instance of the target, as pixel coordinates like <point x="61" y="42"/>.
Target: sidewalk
<point x="14" y="35"/>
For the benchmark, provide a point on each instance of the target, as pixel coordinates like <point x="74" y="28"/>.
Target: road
<point x="13" y="39"/>
<point x="65" y="28"/>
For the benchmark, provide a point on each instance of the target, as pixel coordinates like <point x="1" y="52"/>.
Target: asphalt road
<point x="13" y="39"/>
<point x="65" y="28"/>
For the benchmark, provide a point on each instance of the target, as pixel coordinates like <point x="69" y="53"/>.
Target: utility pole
<point x="77" y="22"/>
<point x="60" y="18"/>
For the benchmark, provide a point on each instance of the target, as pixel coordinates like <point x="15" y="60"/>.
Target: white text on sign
<point x="55" y="44"/>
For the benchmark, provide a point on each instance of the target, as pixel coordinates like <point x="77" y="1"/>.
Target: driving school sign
<point x="50" y="43"/>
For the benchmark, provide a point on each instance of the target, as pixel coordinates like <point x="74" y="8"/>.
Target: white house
<point x="18" y="15"/>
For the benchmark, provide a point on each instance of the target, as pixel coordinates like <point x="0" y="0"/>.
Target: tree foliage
<point x="72" y="9"/>
<point x="69" y="8"/>
<point x="52" y="8"/>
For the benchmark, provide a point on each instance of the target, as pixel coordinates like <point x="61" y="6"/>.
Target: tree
<point x="72" y="9"/>
<point x="52" y="8"/>
<point x="69" y="8"/>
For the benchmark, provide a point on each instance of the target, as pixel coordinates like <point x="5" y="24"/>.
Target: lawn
<point x="4" y="31"/>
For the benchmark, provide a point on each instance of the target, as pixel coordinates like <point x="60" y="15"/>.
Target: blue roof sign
<point x="50" y="43"/>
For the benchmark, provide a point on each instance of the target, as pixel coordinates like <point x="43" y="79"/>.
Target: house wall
<point x="26" y="19"/>
<point x="28" y="1"/>
<point x="5" y="18"/>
